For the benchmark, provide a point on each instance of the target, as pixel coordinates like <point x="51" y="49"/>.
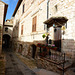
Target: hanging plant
<point x="45" y="35"/>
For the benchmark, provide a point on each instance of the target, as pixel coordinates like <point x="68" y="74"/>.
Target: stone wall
<point x="65" y="8"/>
<point x="1" y="23"/>
<point x="41" y="63"/>
<point x="26" y="48"/>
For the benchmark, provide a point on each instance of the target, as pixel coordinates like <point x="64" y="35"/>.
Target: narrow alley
<point x="14" y="66"/>
<point x="37" y="37"/>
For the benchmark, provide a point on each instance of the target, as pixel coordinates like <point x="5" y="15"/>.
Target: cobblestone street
<point x="15" y="67"/>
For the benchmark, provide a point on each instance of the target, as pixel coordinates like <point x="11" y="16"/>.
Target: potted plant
<point x="53" y="47"/>
<point x="48" y="46"/>
<point x="43" y="46"/>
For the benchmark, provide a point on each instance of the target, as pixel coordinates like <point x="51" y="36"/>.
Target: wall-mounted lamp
<point x="54" y="25"/>
<point x="54" y="28"/>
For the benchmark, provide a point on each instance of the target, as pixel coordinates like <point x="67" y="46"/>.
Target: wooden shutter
<point x="34" y="24"/>
<point x="23" y="8"/>
<point x="22" y="30"/>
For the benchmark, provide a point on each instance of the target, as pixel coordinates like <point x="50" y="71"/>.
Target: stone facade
<point x="64" y="8"/>
<point x="9" y="25"/>
<point x="3" y="10"/>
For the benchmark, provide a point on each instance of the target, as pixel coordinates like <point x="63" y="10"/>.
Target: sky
<point x="11" y="7"/>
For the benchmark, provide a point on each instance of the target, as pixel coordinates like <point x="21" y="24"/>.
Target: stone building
<point x="3" y="11"/>
<point x="31" y="19"/>
<point x="7" y="33"/>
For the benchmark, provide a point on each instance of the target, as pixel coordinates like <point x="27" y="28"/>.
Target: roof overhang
<point x="17" y="6"/>
<point x="56" y="20"/>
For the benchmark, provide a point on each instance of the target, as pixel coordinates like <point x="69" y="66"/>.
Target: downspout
<point x="47" y="9"/>
<point x="47" y="19"/>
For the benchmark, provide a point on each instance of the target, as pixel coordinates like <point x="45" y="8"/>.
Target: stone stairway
<point x="67" y="64"/>
<point x="44" y="72"/>
<point x="70" y="71"/>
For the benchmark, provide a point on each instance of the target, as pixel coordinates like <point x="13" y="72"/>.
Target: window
<point x="6" y="29"/>
<point x="22" y="30"/>
<point x="56" y="8"/>
<point x="34" y="24"/>
<point x="23" y="8"/>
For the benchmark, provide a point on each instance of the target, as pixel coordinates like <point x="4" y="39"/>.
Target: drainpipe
<point x="47" y="9"/>
<point x="47" y="18"/>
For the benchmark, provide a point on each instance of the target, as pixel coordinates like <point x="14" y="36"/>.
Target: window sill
<point x="38" y="32"/>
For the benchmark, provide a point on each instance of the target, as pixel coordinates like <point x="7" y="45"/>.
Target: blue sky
<point x="11" y="7"/>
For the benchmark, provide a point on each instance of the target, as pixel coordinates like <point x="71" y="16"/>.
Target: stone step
<point x="66" y="65"/>
<point x="70" y="72"/>
<point x="44" y="72"/>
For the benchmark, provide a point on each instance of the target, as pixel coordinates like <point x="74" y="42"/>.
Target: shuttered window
<point x="22" y="30"/>
<point x="34" y="21"/>
<point x="23" y="8"/>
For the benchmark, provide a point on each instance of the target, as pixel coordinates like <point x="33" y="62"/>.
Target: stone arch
<point x="6" y="41"/>
<point x="7" y="34"/>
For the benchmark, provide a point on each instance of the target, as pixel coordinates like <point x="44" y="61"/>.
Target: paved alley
<point x="15" y="67"/>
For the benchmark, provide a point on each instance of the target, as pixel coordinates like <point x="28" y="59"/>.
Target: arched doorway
<point x="20" y="48"/>
<point x="33" y="50"/>
<point x="6" y="41"/>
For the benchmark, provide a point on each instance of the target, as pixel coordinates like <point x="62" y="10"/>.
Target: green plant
<point x="44" y="35"/>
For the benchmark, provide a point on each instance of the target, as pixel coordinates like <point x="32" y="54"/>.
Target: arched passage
<point x="6" y="40"/>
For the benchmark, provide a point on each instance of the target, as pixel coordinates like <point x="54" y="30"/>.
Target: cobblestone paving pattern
<point x="15" y="67"/>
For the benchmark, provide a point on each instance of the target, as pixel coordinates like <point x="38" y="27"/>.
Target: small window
<point x="6" y="29"/>
<point x="22" y="30"/>
<point x="23" y="8"/>
<point x="56" y="8"/>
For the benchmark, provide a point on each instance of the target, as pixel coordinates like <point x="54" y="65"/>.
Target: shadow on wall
<point x="15" y="36"/>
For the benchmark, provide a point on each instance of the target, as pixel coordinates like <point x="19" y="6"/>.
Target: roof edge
<point x="4" y="2"/>
<point x="17" y="6"/>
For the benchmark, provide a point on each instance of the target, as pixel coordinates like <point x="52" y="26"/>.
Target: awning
<point x="56" y="20"/>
